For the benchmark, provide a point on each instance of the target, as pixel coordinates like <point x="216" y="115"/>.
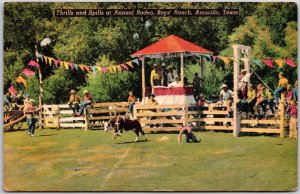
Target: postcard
<point x="150" y="96"/>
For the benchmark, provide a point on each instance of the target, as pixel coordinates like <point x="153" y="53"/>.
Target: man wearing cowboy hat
<point x="164" y="75"/>
<point x="226" y="96"/>
<point x="244" y="80"/>
<point x="155" y="77"/>
<point x="88" y="100"/>
<point x="74" y="102"/>
<point x="171" y="75"/>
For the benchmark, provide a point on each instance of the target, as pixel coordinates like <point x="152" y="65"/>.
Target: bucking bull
<point x="119" y="123"/>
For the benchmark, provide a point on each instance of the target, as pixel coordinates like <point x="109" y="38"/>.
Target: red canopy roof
<point x="171" y="44"/>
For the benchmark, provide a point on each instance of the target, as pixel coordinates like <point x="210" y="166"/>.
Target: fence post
<point x="281" y="114"/>
<point x="186" y="116"/>
<point x="236" y="67"/>
<point x="86" y="119"/>
<point x="134" y="112"/>
<point x="58" y="117"/>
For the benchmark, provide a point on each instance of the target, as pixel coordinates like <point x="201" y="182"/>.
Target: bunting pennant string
<point x="141" y="58"/>
<point x="98" y="68"/>
<point x="61" y="63"/>
<point x="114" y="68"/>
<point x="12" y="90"/>
<point x="110" y="69"/>
<point x="28" y="72"/>
<point x="269" y="63"/>
<point x="50" y="61"/>
<point x="290" y="62"/>
<point x="256" y="62"/>
<point x="20" y="79"/>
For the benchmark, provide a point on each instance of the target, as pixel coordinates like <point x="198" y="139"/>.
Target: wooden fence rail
<point x="162" y="117"/>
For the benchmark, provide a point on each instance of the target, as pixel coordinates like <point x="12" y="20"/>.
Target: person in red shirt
<point x="293" y="111"/>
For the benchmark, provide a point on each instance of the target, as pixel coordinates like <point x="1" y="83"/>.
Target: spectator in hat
<point x="176" y="82"/>
<point x="243" y="85"/>
<point x="155" y="76"/>
<point x="29" y="111"/>
<point x="88" y="100"/>
<point x="226" y="96"/>
<point x="171" y="75"/>
<point x="282" y="85"/>
<point x="74" y="101"/>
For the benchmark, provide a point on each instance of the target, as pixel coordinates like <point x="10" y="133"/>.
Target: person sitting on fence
<point x="198" y="86"/>
<point x="226" y="96"/>
<point x="295" y="91"/>
<point x="293" y="111"/>
<point x="131" y="100"/>
<point x="155" y="77"/>
<point x="282" y="85"/>
<point x="190" y="136"/>
<point x="88" y="100"/>
<point x="263" y="99"/>
<point x="29" y="111"/>
<point x="175" y="83"/>
<point x="74" y="102"/>
<point x="246" y="105"/>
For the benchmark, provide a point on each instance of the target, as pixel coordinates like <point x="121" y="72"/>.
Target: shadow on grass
<point x="47" y="135"/>
<point x="127" y="142"/>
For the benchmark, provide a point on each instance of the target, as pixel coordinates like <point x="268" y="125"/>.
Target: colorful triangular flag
<point x="66" y="64"/>
<point x="81" y="67"/>
<point x="75" y="66"/>
<point x="119" y="68"/>
<point x="61" y="63"/>
<point x="55" y="62"/>
<point x="280" y="62"/>
<point x="269" y="63"/>
<point x="87" y="68"/>
<point x="93" y="68"/>
<point x="103" y="69"/>
<point x="21" y="79"/>
<point x="124" y="66"/>
<point x="136" y="61"/>
<point x="226" y="60"/>
<point x="141" y="58"/>
<point x="28" y="72"/>
<point x="214" y="58"/>
<point x="71" y="65"/>
<point x="290" y="62"/>
<point x="129" y="63"/>
<point x="33" y="63"/>
<point x="11" y="89"/>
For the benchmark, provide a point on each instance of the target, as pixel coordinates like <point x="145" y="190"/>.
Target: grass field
<point x="76" y="160"/>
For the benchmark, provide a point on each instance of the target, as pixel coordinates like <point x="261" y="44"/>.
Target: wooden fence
<point x="61" y="116"/>
<point x="163" y="118"/>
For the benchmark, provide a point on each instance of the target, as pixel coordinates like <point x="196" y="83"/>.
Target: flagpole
<point x="41" y="88"/>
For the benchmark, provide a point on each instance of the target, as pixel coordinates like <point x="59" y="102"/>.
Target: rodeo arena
<point x="170" y="104"/>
